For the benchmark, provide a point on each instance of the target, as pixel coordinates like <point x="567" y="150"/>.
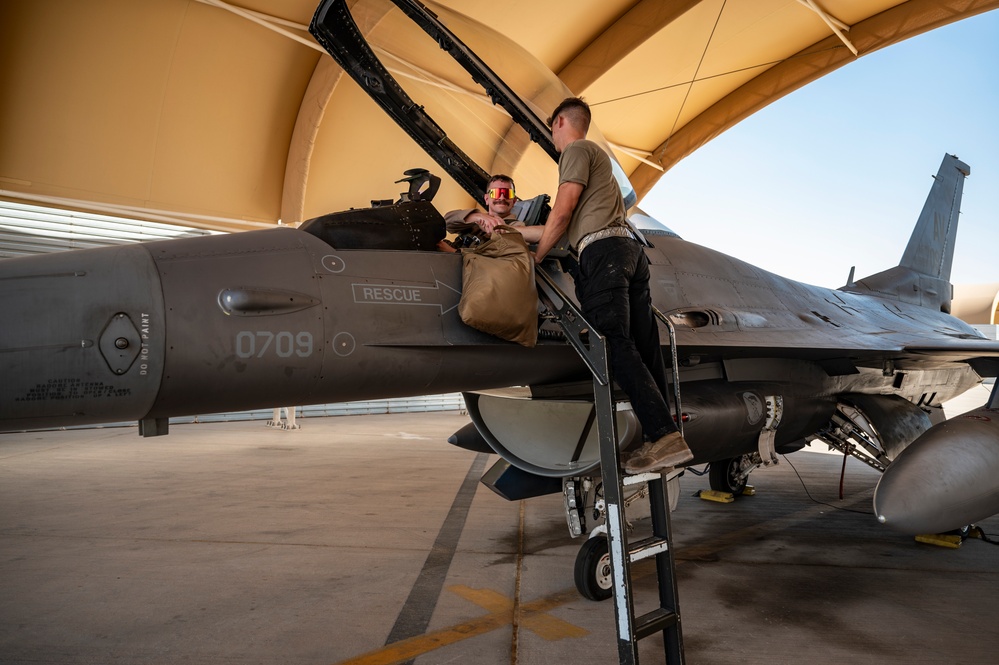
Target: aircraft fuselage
<point x="250" y="320"/>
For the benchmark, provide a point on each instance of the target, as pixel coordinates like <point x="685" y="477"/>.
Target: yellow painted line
<point x="487" y="599"/>
<point x="400" y="652"/>
<point x="543" y="625"/>
<point x="552" y="628"/>
<point x="404" y="650"/>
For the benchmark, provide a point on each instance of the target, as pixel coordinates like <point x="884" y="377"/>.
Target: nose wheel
<point x="593" y="569"/>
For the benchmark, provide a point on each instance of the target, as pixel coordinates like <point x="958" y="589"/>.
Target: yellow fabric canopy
<point x="229" y="116"/>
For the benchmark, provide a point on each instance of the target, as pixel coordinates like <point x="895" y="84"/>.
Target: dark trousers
<point x="613" y="292"/>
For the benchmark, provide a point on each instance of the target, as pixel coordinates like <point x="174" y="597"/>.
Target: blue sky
<point x="835" y="174"/>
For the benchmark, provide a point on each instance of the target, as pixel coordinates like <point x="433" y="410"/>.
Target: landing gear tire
<point x="723" y="476"/>
<point x="593" y="569"/>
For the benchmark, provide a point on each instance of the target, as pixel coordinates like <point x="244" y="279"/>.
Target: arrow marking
<point x="407" y="294"/>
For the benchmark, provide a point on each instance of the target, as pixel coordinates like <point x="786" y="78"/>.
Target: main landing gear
<point x="732" y="475"/>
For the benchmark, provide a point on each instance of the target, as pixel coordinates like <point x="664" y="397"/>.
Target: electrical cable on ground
<point x="807" y="493"/>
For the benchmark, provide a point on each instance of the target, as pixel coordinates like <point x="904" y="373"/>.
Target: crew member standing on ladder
<point x="613" y="281"/>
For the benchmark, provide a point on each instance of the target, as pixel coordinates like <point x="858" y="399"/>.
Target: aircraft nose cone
<point x="947" y="478"/>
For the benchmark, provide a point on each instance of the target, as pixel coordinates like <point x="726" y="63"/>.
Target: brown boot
<point x="666" y="451"/>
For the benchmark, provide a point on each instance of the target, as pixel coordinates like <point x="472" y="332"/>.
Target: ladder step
<point x="640" y="478"/>
<point x="647" y="547"/>
<point x="654" y="622"/>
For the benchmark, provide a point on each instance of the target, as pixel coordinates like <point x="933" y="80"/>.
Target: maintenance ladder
<point x="666" y="618"/>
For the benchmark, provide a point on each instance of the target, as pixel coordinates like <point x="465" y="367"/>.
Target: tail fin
<point x="923" y="276"/>
<point x="931" y="248"/>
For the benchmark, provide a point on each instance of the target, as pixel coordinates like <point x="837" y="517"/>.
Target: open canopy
<point x="232" y="117"/>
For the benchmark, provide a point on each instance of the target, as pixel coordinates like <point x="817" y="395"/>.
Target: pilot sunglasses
<point x="501" y="193"/>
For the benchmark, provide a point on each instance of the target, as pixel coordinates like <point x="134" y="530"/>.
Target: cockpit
<point x="411" y="222"/>
<point x="471" y="117"/>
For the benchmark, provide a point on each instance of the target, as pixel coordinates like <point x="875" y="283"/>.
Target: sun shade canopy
<point x="231" y="117"/>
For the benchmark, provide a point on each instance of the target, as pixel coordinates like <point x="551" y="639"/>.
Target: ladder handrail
<point x="676" y="366"/>
<point x="567" y="314"/>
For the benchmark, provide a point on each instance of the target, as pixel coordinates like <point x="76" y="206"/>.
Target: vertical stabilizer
<point x="923" y="276"/>
<point x="931" y="248"/>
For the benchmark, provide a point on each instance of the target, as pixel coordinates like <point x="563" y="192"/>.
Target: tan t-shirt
<point x="600" y="205"/>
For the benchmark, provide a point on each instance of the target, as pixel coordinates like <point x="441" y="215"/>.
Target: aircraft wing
<point x="984" y="358"/>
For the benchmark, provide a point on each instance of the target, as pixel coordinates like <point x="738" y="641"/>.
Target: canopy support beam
<point x="837" y="26"/>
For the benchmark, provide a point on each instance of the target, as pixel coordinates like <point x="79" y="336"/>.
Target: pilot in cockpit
<point x="469" y="224"/>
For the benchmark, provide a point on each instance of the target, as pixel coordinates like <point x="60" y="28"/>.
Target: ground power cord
<point x="973" y="531"/>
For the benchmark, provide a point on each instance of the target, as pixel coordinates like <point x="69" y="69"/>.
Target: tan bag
<point x="498" y="295"/>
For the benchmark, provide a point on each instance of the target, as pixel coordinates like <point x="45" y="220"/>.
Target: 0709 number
<point x="282" y="344"/>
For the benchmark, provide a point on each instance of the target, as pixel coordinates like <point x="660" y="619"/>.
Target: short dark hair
<point x="575" y="110"/>
<point x="500" y="176"/>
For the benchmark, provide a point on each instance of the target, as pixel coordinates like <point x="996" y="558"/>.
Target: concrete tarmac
<point x="367" y="540"/>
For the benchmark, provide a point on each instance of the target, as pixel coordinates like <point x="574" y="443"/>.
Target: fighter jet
<point x="361" y="304"/>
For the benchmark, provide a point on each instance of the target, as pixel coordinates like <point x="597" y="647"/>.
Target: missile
<point x="946" y="479"/>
